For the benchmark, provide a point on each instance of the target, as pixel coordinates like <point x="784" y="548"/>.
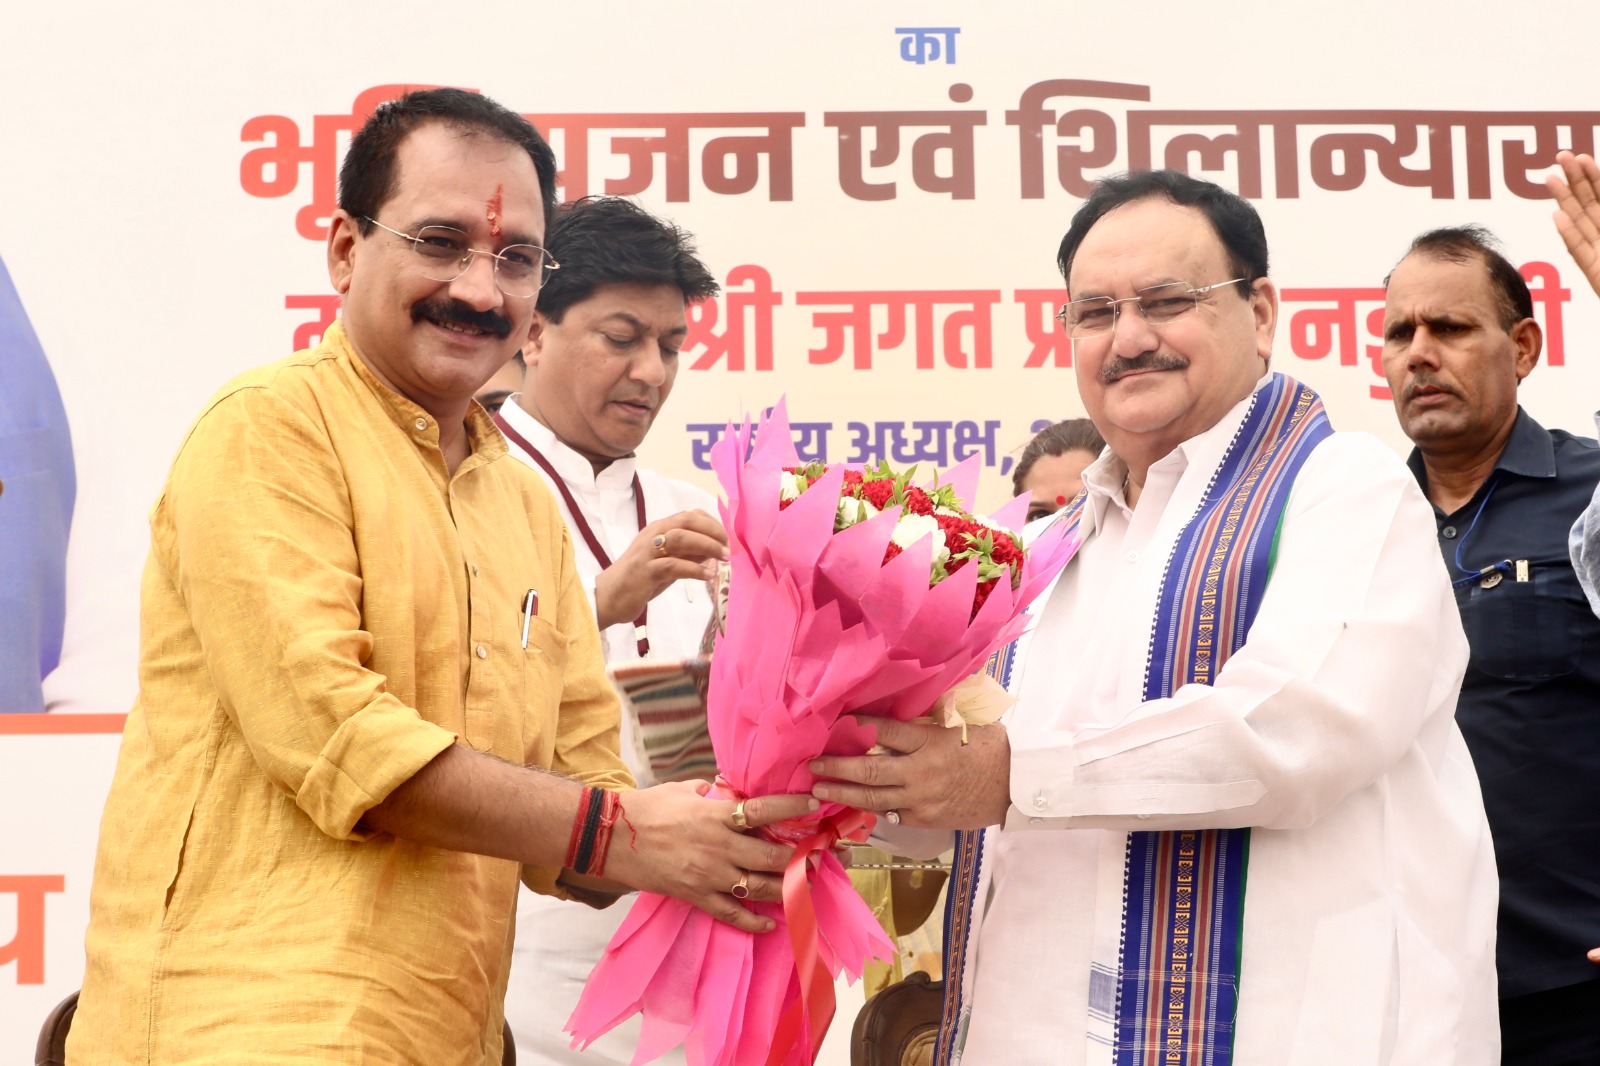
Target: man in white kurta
<point x="1369" y="908"/>
<point x="602" y="362"/>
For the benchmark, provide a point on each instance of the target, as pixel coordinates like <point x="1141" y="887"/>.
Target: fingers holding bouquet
<point x="927" y="777"/>
<point x="678" y="843"/>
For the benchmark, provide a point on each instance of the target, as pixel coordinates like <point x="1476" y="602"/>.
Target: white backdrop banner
<point x="881" y="187"/>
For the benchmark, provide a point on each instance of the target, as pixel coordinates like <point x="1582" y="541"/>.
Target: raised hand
<point x="669" y="549"/>
<point x="1577" y="193"/>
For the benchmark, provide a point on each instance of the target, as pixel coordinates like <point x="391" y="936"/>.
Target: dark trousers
<point x="1557" y="1027"/>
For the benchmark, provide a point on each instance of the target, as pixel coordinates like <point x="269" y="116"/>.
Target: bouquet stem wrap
<point x="821" y="629"/>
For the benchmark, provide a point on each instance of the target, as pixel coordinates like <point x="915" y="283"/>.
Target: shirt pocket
<point x="544" y="670"/>
<point x="1525" y="630"/>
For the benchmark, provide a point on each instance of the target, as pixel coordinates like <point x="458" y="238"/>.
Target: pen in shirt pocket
<point x="530" y="607"/>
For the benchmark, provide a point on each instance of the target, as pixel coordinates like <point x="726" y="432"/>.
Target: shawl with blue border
<point x="1177" y="984"/>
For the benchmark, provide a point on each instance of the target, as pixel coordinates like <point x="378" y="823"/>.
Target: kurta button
<point x="1133" y="557"/>
<point x="1040" y="803"/>
<point x="422" y="424"/>
<point x="1448" y="532"/>
<point x="1035" y="821"/>
<point x="483" y="653"/>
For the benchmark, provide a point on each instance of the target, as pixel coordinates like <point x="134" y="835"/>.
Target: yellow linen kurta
<point x="324" y="610"/>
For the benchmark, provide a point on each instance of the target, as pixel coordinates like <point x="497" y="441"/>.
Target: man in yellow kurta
<point x="364" y="648"/>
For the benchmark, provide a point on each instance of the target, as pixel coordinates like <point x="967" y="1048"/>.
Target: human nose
<point x="1422" y="349"/>
<point x="477" y="285"/>
<point x="650" y="366"/>
<point x="1130" y="333"/>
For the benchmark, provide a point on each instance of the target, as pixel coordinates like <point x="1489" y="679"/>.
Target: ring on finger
<point x="892" y="816"/>
<point x="741" y="887"/>
<point x="661" y="543"/>
<point x="741" y="821"/>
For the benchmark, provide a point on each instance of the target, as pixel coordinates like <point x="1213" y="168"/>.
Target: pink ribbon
<point x="805" y="1021"/>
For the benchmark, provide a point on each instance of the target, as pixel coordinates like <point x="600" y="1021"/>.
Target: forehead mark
<point x="492" y="210"/>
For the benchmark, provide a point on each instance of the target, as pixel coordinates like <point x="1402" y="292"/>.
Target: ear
<point x="342" y="234"/>
<point x="1264" y="308"/>
<point x="1528" y="340"/>
<point x="538" y="329"/>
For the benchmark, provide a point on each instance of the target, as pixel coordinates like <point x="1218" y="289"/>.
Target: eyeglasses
<point x="446" y="254"/>
<point x="1096" y="316"/>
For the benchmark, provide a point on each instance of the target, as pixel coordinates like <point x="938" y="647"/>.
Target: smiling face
<point x="598" y="377"/>
<point x="433" y="342"/>
<point x="1149" y="390"/>
<point x="1452" y="364"/>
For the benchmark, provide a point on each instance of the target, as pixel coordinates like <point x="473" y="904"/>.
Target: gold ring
<point x="741" y="887"/>
<point x="661" y="543"/>
<point x="740" y="821"/>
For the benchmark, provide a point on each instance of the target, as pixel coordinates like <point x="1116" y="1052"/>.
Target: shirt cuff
<point x="1043" y="770"/>
<point x="372" y="753"/>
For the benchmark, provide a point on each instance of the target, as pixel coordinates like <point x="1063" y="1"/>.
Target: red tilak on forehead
<point x="1061" y="500"/>
<point x="492" y="210"/>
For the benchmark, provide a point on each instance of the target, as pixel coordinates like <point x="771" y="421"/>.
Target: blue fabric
<point x="39" y="489"/>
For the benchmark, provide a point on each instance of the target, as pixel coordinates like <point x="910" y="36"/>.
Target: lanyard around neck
<point x="585" y="530"/>
<point x="1469" y="576"/>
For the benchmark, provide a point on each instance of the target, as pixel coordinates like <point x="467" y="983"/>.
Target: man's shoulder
<point x="1576" y="456"/>
<point x="1350" y="457"/>
<point x="298" y="379"/>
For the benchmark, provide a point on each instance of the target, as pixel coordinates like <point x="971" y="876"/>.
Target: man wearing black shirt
<point x="1459" y="336"/>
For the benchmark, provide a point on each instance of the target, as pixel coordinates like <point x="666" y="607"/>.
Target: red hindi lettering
<point x="309" y="334"/>
<point x="1051" y="345"/>
<point x="275" y="170"/>
<point x="26" y="948"/>
<point x="1544" y="285"/>
<point x="1031" y="118"/>
<point x="742" y="306"/>
<point x="951" y="139"/>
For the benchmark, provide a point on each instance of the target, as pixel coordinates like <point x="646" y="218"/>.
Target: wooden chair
<point x="899" y="1025"/>
<point x="52" y="1049"/>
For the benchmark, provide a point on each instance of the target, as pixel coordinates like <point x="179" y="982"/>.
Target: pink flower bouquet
<point x="853" y="593"/>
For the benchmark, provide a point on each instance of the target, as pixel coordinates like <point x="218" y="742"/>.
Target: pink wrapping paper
<point x="819" y="628"/>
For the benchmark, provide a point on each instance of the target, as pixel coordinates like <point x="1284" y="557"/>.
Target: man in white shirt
<point x="600" y="365"/>
<point x="1251" y="666"/>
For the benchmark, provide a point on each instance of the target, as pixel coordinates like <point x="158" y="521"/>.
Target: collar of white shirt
<point x="574" y="469"/>
<point x="1105" y="479"/>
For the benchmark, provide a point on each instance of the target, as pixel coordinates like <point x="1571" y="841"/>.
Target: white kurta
<point x="1370" y="903"/>
<point x="558" y="942"/>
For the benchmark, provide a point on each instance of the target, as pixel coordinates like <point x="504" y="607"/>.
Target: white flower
<point x="985" y="520"/>
<point x="852" y="511"/>
<point x="913" y="527"/>
<point x="791" y="486"/>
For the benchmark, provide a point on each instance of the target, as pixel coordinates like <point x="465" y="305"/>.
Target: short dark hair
<point x="601" y="240"/>
<point x="1072" y="435"/>
<point x="367" y="177"/>
<point x="1236" y="223"/>
<point x="1466" y="244"/>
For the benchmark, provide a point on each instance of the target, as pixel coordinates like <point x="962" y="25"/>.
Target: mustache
<point x="1117" y="367"/>
<point x="1427" y="381"/>
<point x="453" y="312"/>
